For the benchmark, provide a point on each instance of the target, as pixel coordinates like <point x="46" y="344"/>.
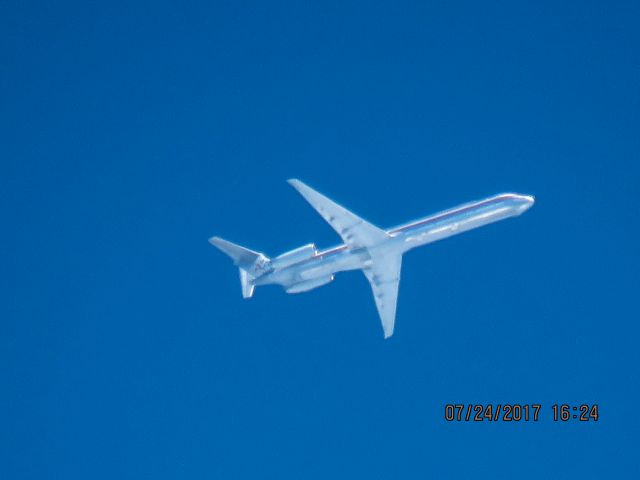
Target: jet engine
<point x="309" y="284"/>
<point x="294" y="256"/>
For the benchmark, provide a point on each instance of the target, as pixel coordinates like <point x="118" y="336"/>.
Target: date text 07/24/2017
<point x="515" y="412"/>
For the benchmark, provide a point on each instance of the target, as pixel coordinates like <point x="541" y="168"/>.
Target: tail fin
<point x="251" y="264"/>
<point x="246" y="283"/>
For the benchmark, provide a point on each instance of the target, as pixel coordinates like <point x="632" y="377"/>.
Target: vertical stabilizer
<point x="250" y="264"/>
<point x="245" y="282"/>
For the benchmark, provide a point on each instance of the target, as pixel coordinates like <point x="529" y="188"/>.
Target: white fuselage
<point x="319" y="268"/>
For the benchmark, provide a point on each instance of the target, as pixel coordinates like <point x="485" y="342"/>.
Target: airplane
<point x="377" y="252"/>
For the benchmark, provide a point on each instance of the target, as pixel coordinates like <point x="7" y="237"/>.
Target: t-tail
<point x="250" y="264"/>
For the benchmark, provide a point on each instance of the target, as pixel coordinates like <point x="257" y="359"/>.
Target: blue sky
<point x="131" y="132"/>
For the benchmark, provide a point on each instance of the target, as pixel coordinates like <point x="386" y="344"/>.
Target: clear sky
<point x="130" y="132"/>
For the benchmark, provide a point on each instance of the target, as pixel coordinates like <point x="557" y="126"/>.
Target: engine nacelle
<point x="309" y="284"/>
<point x="294" y="256"/>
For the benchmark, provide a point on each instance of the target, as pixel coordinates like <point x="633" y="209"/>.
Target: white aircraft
<point x="377" y="252"/>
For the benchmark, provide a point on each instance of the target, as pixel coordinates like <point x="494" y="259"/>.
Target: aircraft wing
<point x="384" y="277"/>
<point x="355" y="231"/>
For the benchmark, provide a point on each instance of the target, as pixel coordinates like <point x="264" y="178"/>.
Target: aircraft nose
<point x="527" y="202"/>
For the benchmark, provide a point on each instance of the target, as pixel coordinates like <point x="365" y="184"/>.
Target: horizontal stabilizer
<point x="241" y="256"/>
<point x="250" y="264"/>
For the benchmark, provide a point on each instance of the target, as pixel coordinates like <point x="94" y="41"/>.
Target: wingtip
<point x="388" y="331"/>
